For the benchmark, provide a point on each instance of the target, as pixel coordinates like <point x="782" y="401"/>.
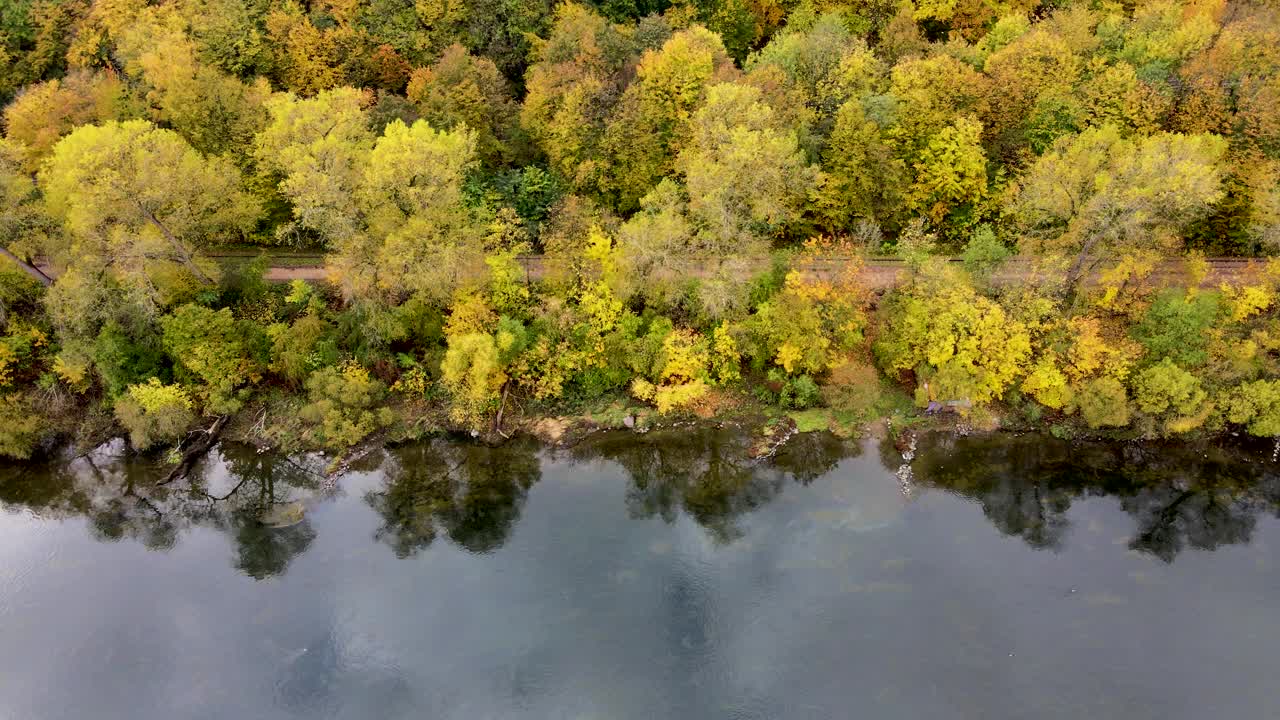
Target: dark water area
<point x="653" y="576"/>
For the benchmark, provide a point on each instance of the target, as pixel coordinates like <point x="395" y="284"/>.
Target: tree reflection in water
<point x="472" y="493"/>
<point x="1202" y="496"/>
<point x="708" y="474"/>
<point x="1180" y="497"/>
<point x="229" y="492"/>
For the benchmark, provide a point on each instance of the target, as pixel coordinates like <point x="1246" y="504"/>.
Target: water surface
<point x="655" y="576"/>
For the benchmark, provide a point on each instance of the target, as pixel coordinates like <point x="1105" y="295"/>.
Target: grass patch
<point x="812" y="420"/>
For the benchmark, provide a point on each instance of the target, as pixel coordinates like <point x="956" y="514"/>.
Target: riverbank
<point x="272" y="423"/>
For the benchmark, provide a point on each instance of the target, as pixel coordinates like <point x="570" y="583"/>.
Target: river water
<point x="654" y="576"/>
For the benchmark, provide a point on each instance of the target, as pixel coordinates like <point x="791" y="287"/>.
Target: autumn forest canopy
<point x="682" y="167"/>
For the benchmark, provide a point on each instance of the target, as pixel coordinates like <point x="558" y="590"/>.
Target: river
<point x="648" y="576"/>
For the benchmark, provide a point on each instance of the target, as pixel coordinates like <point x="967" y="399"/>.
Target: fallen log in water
<point x="196" y="450"/>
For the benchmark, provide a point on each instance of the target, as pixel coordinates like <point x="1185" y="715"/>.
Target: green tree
<point x="45" y="112"/>
<point x="951" y="173"/>
<point x="576" y="79"/>
<point x="215" y="352"/>
<point x="216" y="113"/>
<point x="864" y="180"/>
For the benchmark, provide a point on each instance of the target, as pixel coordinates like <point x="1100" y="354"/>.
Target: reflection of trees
<point x="708" y="474"/>
<point x="1179" y="496"/>
<point x="809" y="456"/>
<point x="118" y="496"/>
<point x="263" y="481"/>
<point x="472" y="493"/>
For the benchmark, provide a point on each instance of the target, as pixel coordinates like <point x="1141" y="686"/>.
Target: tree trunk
<point x="183" y="255"/>
<point x="497" y="421"/>
<point x="27" y="267"/>
<point x="196" y="450"/>
<point x="1078" y="266"/>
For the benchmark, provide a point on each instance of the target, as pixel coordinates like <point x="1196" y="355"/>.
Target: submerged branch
<point x="197" y="450"/>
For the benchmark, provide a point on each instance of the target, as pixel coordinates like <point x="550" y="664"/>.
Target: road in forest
<point x="877" y="274"/>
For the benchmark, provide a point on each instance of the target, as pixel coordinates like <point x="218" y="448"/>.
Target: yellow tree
<point x="653" y="121"/>
<point x="460" y="89"/>
<point x="576" y="79"/>
<point x="1097" y="194"/>
<point x="318" y="147"/>
<point x="23" y="222"/>
<point x="420" y="236"/>
<point x="43" y="113"/>
<point x="746" y="177"/>
<point x="137" y="200"/>
<point x="959" y="344"/>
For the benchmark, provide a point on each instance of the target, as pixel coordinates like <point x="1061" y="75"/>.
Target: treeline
<point x="424" y="145"/>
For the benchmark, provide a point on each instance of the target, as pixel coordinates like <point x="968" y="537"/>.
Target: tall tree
<point x="23" y="223"/>
<point x="135" y="199"/>
<point x="746" y="177"/>
<point x="420" y="235"/>
<point x="1097" y="193"/>
<point x="317" y="149"/>
<point x="578" y="75"/>
<point x="652" y="122"/>
<point x="461" y="89"/>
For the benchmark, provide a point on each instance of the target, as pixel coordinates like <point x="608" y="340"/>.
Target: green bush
<point x="214" y="352"/>
<point x="154" y="413"/>
<point x="1174" y="327"/>
<point x="1168" y="387"/>
<point x="342" y="406"/>
<point x="1103" y="403"/>
<point x="1256" y="405"/>
<point x="123" y="358"/>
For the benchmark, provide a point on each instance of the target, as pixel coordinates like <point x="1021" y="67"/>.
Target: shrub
<point x="1256" y="405"/>
<point x="125" y="357"/>
<point x="799" y="393"/>
<point x="1168" y="387"/>
<point x="472" y="373"/>
<point x="20" y="426"/>
<point x="682" y="381"/>
<point x="1174" y="327"/>
<point x="852" y="387"/>
<point x="301" y="347"/>
<point x="1048" y="385"/>
<point x="215" y="351"/>
<point x="154" y="413"/>
<point x="1103" y="403"/>
<point x="342" y="405"/>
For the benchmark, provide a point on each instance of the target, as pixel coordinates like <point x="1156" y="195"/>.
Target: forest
<point x="680" y="168"/>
